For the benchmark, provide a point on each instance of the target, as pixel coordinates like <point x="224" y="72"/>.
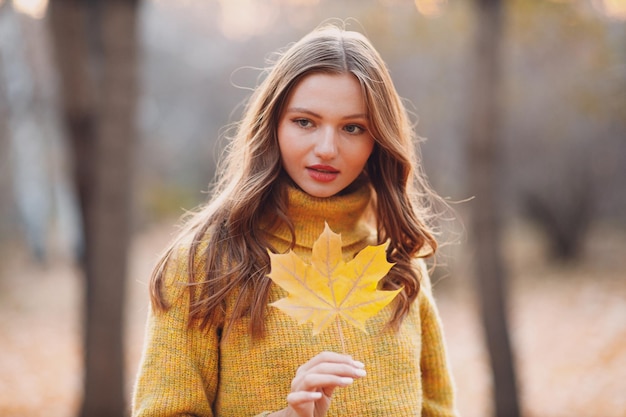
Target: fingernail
<point x="358" y="364"/>
<point x="345" y="380"/>
<point x="360" y="372"/>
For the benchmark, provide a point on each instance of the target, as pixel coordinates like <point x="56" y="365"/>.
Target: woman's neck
<point x="348" y="213"/>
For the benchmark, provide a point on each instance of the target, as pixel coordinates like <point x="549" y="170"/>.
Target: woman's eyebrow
<point x="314" y="114"/>
<point x="302" y="110"/>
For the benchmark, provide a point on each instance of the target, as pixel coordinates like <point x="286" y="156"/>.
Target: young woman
<point x="324" y="138"/>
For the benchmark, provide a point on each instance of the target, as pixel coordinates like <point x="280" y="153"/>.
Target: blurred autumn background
<point x="111" y="114"/>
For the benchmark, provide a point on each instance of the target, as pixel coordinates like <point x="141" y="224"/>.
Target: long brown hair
<point x="251" y="185"/>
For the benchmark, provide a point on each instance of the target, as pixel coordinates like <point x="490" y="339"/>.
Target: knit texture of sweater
<point x="188" y="371"/>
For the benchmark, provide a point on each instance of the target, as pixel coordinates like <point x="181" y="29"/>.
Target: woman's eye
<point x="354" y="129"/>
<point x="303" y="123"/>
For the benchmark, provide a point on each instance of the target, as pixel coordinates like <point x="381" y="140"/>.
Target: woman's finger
<point x="331" y="357"/>
<point x="299" y="398"/>
<point x="339" y="369"/>
<point x="312" y="381"/>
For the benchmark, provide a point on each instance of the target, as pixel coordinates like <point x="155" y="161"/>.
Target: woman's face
<point x="323" y="133"/>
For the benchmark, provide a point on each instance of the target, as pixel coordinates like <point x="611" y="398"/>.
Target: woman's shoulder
<point x="188" y="254"/>
<point x="421" y="268"/>
<point x="182" y="264"/>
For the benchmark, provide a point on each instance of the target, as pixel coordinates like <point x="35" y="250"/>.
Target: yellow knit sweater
<point x="191" y="372"/>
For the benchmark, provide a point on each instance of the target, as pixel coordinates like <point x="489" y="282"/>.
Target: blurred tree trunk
<point x="6" y="202"/>
<point x="27" y="128"/>
<point x="565" y="210"/>
<point x="486" y="224"/>
<point x="69" y="26"/>
<point x="6" y="191"/>
<point x="96" y="55"/>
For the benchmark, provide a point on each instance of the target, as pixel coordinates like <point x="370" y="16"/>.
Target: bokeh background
<point x="561" y="178"/>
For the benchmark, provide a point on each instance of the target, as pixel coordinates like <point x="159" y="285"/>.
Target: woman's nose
<point x="326" y="147"/>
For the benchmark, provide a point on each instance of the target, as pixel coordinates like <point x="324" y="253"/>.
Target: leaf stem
<point x="340" y="331"/>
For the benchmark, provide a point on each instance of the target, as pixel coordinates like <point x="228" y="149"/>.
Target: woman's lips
<point x="322" y="173"/>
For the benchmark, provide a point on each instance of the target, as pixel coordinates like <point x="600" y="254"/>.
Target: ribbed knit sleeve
<point x="437" y="384"/>
<point x="178" y="373"/>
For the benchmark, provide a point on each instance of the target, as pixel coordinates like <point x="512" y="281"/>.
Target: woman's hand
<point x="315" y="381"/>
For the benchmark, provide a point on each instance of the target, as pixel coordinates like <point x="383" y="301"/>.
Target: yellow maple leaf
<point x="329" y="288"/>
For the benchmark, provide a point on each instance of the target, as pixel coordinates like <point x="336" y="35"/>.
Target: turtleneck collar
<point x="346" y="214"/>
